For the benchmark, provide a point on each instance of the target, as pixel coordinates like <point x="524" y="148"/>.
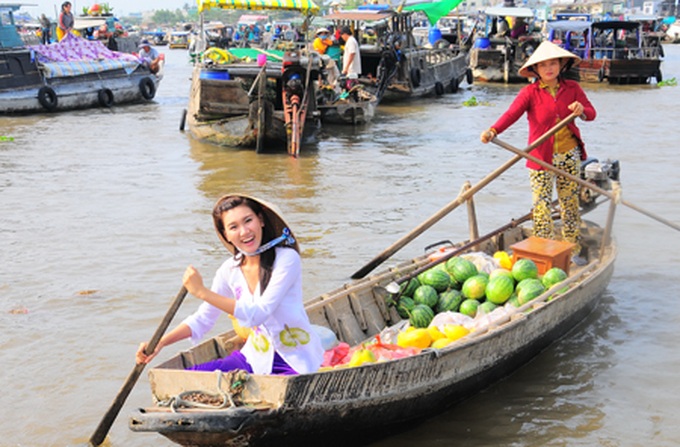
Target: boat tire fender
<point x="528" y="48"/>
<point x="658" y="76"/>
<point x="415" y="76"/>
<point x="48" y="98"/>
<point x="439" y="88"/>
<point x="147" y="88"/>
<point x="469" y="78"/>
<point x="600" y="74"/>
<point x="105" y="97"/>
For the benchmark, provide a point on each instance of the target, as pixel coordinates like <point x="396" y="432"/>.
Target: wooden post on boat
<point x="472" y="214"/>
<point x="261" y="116"/>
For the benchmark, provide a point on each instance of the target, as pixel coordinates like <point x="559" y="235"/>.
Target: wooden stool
<point x="546" y="253"/>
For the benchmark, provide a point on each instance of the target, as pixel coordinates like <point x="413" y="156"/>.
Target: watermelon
<point x="486" y="307"/>
<point x="523" y="269"/>
<point x="501" y="272"/>
<point x="426" y="295"/>
<point x="461" y="269"/>
<point x="469" y="308"/>
<point x="530" y="290"/>
<point x="410" y="287"/>
<point x="499" y="289"/>
<point x="436" y="278"/>
<point x="406" y="305"/>
<point x="553" y="276"/>
<point x="514" y="301"/>
<point x="421" y="316"/>
<point x="449" y="301"/>
<point x="475" y="287"/>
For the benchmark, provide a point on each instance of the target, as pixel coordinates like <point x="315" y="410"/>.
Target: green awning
<point x="436" y="10"/>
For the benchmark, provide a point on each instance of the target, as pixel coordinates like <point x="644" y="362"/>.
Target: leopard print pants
<point x="567" y="194"/>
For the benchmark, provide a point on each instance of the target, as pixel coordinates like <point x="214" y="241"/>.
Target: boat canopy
<point x="305" y="6"/>
<point x="615" y="24"/>
<point x="436" y="10"/>
<point x="504" y="11"/>
<point x="575" y="26"/>
<point x="361" y="15"/>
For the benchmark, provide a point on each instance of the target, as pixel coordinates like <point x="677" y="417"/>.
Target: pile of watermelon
<point x="458" y="286"/>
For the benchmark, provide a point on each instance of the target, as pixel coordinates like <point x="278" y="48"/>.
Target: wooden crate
<point x="546" y="253"/>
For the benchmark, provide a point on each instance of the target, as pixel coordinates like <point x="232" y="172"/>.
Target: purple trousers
<point x="236" y="360"/>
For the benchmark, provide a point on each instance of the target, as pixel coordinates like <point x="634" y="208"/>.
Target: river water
<point x="103" y="209"/>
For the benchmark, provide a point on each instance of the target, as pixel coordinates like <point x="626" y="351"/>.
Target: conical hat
<point x="272" y="217"/>
<point x="546" y="51"/>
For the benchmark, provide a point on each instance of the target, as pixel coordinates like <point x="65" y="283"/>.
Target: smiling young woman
<point x="260" y="286"/>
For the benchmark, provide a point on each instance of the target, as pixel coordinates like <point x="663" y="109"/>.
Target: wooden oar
<point x="103" y="429"/>
<point x="585" y="183"/>
<point x="382" y="257"/>
<point x="394" y="288"/>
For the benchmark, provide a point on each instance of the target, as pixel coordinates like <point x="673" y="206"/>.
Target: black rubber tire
<point x="147" y="88"/>
<point x="183" y="120"/>
<point x="48" y="98"/>
<point x="105" y="97"/>
<point x="415" y="76"/>
<point x="454" y="85"/>
<point x="439" y="88"/>
<point x="658" y="76"/>
<point x="469" y="78"/>
<point x="600" y="74"/>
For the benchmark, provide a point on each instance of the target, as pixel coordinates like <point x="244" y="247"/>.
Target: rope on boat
<point x="190" y="399"/>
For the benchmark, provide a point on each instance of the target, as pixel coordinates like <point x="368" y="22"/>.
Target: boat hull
<point x="340" y="405"/>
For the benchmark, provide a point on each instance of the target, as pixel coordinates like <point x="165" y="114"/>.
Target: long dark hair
<point x="268" y="257"/>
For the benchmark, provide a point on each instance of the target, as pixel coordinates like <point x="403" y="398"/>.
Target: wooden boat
<point x="252" y="98"/>
<point x="356" y="106"/>
<point x="617" y="51"/>
<point x="179" y="39"/>
<point x="40" y="78"/>
<point x="394" y="67"/>
<point x="341" y="405"/>
<point x="497" y="57"/>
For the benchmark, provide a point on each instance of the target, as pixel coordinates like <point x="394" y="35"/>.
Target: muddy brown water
<point x="103" y="209"/>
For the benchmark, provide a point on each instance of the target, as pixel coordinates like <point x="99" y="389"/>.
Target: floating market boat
<point x="72" y="74"/>
<point x="179" y="39"/>
<point x="496" y="55"/>
<point x="343" y="403"/>
<point x="393" y="66"/>
<point x="616" y="51"/>
<point x="254" y="98"/>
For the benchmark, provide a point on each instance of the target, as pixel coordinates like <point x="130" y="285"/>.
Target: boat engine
<point x="601" y="174"/>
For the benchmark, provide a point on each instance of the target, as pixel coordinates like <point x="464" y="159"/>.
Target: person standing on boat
<point x="66" y="21"/>
<point x="45" y="26"/>
<point x="261" y="286"/>
<point x="351" y="57"/>
<point x="547" y="101"/>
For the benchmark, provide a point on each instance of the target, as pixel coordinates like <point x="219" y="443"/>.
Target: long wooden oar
<point x="382" y="257"/>
<point x="105" y="425"/>
<point x="394" y="288"/>
<point x="585" y="183"/>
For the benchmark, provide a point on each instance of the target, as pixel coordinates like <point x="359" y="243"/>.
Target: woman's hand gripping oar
<point x="584" y="183"/>
<point x="107" y="421"/>
<point x="382" y="257"/>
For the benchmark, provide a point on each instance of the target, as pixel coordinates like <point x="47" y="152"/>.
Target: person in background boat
<point x="351" y="58"/>
<point x="547" y="101"/>
<point x="261" y="286"/>
<point x="45" y="29"/>
<point x="66" y="21"/>
<point x="503" y="27"/>
<point x="519" y="29"/>
<point x="322" y="41"/>
<point x="150" y="56"/>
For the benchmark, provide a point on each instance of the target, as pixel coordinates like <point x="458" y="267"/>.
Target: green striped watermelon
<point x="405" y="306"/>
<point x="421" y="316"/>
<point x="426" y="295"/>
<point x="436" y="278"/>
<point x="499" y="289"/>
<point x="449" y="301"/>
<point x="410" y="287"/>
<point x="475" y="287"/>
<point x="523" y="269"/>
<point x="462" y="269"/>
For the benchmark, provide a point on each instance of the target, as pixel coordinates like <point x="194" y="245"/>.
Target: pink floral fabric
<point x="76" y="49"/>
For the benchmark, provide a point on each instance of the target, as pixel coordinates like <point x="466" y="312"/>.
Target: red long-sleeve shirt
<point x="543" y="112"/>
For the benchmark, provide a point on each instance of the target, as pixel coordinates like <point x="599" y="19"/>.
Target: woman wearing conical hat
<point x="546" y="102"/>
<point x="260" y="286"/>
